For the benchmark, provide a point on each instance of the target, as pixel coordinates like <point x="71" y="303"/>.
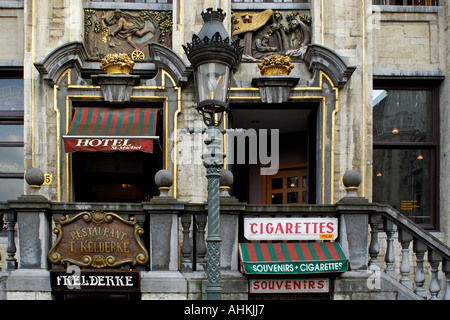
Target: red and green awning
<point x="112" y="129"/>
<point x="292" y="258"/>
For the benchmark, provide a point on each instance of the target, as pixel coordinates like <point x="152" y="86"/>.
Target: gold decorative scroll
<point x="98" y="239"/>
<point x="253" y="22"/>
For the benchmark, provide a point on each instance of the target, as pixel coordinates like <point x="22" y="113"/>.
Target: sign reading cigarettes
<point x="290" y="228"/>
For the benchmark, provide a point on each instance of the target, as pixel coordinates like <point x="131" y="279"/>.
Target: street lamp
<point x="213" y="56"/>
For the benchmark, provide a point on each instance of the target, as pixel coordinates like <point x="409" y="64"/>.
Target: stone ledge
<point x="163" y="282"/>
<point x="29" y="280"/>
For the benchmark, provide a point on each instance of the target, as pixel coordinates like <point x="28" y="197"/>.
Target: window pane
<point x="292" y="197"/>
<point x="11" y="159"/>
<point x="277" y="198"/>
<point x="402" y="116"/>
<point x="11" y="94"/>
<point x="292" y="182"/>
<point x="305" y="196"/>
<point x="10" y="189"/>
<point x="11" y="132"/>
<point x="401" y="178"/>
<point x="277" y="183"/>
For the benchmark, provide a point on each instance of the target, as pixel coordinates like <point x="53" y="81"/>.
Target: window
<point x="407" y="2"/>
<point x="288" y="186"/>
<point x="11" y="138"/>
<point x="133" y="1"/>
<point x="266" y="1"/>
<point x="405" y="130"/>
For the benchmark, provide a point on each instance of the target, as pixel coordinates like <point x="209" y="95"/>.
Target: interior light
<point x="420" y="157"/>
<point x="379" y="174"/>
<point x="395" y="130"/>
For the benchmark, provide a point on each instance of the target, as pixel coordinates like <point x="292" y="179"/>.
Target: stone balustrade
<point x="370" y="235"/>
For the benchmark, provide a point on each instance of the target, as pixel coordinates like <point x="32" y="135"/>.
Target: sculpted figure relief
<point x="121" y="31"/>
<point x="261" y="48"/>
<point x="272" y="32"/>
<point x="126" y="26"/>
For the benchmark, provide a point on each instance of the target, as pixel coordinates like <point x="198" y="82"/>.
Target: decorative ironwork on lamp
<point x="213" y="56"/>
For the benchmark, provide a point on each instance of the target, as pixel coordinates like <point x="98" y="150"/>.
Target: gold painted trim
<point x="333" y="123"/>
<point x="68" y="99"/>
<point x="58" y="143"/>
<point x="164" y="73"/>
<point x="98" y="261"/>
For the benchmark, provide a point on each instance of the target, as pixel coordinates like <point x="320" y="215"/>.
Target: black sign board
<point x="94" y="280"/>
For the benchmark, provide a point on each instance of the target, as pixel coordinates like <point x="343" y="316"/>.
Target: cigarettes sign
<point x="291" y="228"/>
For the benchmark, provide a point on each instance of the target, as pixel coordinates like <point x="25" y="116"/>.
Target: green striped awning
<point x="292" y="258"/>
<point x="111" y="129"/>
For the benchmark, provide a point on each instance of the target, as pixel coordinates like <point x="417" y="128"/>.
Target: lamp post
<point x="213" y="56"/>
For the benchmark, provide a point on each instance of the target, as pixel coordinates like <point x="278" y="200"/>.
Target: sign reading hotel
<point x="290" y="228"/>
<point x="289" y="285"/>
<point x="98" y="239"/>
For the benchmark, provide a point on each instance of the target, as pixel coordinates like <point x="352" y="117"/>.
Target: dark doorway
<point x="297" y="127"/>
<point x="116" y="176"/>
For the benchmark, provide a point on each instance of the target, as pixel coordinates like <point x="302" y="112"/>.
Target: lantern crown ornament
<point x="213" y="56"/>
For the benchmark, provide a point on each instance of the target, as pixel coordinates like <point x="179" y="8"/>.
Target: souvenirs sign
<point x="291" y="228"/>
<point x="98" y="239"/>
<point x="289" y="285"/>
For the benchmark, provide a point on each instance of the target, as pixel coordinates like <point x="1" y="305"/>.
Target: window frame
<point x="433" y="146"/>
<point x="12" y="117"/>
<point x="414" y="3"/>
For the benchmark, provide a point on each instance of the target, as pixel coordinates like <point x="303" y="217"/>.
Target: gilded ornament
<point x="98" y="239"/>
<point x="137" y="55"/>
<point x="117" y="63"/>
<point x="275" y="65"/>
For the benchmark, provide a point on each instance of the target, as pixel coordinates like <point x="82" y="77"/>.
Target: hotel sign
<point x="290" y="285"/>
<point x="98" y="239"/>
<point x="290" y="228"/>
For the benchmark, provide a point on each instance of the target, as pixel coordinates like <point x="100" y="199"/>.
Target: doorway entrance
<point x="116" y="176"/>
<point x="293" y="181"/>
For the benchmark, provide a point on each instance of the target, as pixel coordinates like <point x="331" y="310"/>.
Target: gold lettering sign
<point x="98" y="239"/>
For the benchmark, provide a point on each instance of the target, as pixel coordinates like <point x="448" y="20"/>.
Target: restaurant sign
<point x="290" y="228"/>
<point x="98" y="239"/>
<point x="289" y="285"/>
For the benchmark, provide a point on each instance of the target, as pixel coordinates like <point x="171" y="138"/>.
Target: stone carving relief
<point x="130" y="32"/>
<point x="272" y="32"/>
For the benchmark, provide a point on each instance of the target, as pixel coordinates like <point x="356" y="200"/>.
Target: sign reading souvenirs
<point x="94" y="280"/>
<point x="291" y="228"/>
<point x="289" y="285"/>
<point x="98" y="239"/>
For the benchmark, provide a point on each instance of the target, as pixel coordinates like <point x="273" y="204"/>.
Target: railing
<point x="132" y="1"/>
<point x="423" y="244"/>
<point x="269" y="1"/>
<point x="406" y="2"/>
<point x="177" y="232"/>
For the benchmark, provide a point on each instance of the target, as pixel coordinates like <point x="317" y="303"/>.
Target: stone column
<point x="33" y="224"/>
<point x="353" y="223"/>
<point x="163" y="216"/>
